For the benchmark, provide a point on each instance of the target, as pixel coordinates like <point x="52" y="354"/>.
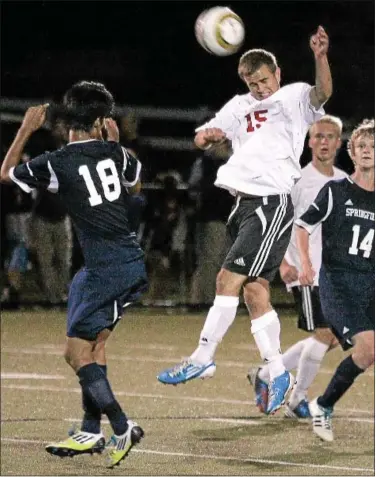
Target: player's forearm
<point x="302" y="239"/>
<point x="14" y="154"/>
<point x="323" y="83"/>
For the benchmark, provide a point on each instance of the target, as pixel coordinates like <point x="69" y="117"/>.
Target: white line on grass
<point x="30" y="376"/>
<point x="152" y="359"/>
<point x="25" y="387"/>
<point x="211" y="419"/>
<point x="217" y="457"/>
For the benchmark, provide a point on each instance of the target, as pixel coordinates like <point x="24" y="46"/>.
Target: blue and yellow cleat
<point x="301" y="411"/>
<point x="261" y="389"/>
<point x="79" y="443"/>
<point x="122" y="445"/>
<point x="278" y="390"/>
<point x="185" y="371"/>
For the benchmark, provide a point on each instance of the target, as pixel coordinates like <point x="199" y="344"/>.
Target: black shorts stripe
<point x="269" y="238"/>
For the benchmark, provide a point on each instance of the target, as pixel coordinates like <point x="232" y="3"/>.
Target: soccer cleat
<point x="322" y="421"/>
<point x="123" y="444"/>
<point x="301" y="411"/>
<point x="278" y="390"/>
<point x="260" y="387"/>
<point x="79" y="443"/>
<point x="185" y="371"/>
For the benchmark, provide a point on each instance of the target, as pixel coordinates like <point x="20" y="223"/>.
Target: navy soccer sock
<point x="343" y="378"/>
<point x="91" y="421"/>
<point x="96" y="386"/>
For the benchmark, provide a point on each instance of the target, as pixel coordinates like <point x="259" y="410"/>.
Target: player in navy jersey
<point x="346" y="209"/>
<point x="94" y="179"/>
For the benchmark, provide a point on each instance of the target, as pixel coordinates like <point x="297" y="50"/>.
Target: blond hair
<point x="365" y="128"/>
<point x="328" y="119"/>
<point x="252" y="60"/>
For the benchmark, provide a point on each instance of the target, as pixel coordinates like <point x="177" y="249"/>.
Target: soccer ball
<point x="219" y="31"/>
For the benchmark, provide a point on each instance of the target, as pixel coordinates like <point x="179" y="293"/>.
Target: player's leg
<point x="352" y="319"/>
<point x="275" y="214"/>
<point x="259" y="378"/>
<point x="91" y="421"/>
<point x="309" y="364"/>
<point x="220" y="317"/>
<point x="265" y="327"/>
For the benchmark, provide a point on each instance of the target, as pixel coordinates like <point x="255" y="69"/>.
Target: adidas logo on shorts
<point x="240" y="261"/>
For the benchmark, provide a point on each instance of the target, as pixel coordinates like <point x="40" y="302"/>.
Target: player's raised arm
<point x="33" y="120"/>
<point x="319" y="43"/>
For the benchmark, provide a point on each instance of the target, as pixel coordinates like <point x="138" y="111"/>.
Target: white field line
<point x="25" y="387"/>
<point x="211" y="419"/>
<point x="31" y="376"/>
<point x="143" y="359"/>
<point x="249" y="460"/>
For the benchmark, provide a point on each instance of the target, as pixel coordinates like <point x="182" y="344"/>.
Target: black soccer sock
<point x="343" y="378"/>
<point x="96" y="386"/>
<point x="91" y="421"/>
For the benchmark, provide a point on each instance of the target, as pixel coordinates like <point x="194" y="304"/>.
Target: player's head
<point x="361" y="145"/>
<point x="325" y="139"/>
<point x="259" y="70"/>
<point x="87" y="104"/>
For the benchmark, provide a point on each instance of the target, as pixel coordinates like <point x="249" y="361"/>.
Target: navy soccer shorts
<point x="348" y="303"/>
<point x="259" y="230"/>
<point x="97" y="297"/>
<point x="308" y="306"/>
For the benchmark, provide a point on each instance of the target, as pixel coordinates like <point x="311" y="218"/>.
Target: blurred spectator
<point x="212" y="208"/>
<point x="164" y="237"/>
<point x="16" y="207"/>
<point x="52" y="236"/>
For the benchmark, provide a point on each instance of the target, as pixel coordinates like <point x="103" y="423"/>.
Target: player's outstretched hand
<point x="35" y="117"/>
<point x="112" y="129"/>
<point x="319" y="42"/>
<point x="214" y="135"/>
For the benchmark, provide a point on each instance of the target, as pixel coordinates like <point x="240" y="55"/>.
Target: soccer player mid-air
<point x="94" y="178"/>
<point x="267" y="127"/>
<point x="306" y="355"/>
<point x="346" y="210"/>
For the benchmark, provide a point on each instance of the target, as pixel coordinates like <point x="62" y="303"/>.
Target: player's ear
<point x="278" y="74"/>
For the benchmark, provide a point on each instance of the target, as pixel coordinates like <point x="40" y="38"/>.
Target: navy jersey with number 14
<point x="347" y="214"/>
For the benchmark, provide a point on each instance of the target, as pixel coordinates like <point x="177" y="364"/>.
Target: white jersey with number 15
<point x="267" y="138"/>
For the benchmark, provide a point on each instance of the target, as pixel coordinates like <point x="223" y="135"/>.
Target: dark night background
<point x="147" y="54"/>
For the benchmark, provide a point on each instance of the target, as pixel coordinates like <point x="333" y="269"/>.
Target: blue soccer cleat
<point x="301" y="411"/>
<point x="261" y="389"/>
<point x="185" y="371"/>
<point x="278" y="390"/>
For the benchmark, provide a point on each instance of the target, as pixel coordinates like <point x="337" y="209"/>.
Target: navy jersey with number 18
<point x="347" y="214"/>
<point x="91" y="178"/>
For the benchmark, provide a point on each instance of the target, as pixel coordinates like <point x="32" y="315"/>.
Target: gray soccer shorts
<point x="259" y="231"/>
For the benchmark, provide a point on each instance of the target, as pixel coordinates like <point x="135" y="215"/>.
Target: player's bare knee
<point x="364" y="349"/>
<point x="229" y="283"/>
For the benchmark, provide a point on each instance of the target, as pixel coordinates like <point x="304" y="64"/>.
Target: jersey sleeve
<point x="309" y="112"/>
<point x="131" y="169"/>
<point x="35" y="174"/>
<point x="318" y="211"/>
<point x="225" y="119"/>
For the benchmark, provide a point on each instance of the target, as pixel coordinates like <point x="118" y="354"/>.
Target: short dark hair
<point x="252" y="60"/>
<point x="86" y="101"/>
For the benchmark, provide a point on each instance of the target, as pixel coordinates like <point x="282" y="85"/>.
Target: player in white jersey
<point x="307" y="354"/>
<point x="267" y="127"/>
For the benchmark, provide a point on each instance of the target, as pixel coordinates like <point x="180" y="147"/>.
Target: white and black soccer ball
<point x="220" y="31"/>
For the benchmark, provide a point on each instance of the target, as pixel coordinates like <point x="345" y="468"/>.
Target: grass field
<point x="202" y="428"/>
